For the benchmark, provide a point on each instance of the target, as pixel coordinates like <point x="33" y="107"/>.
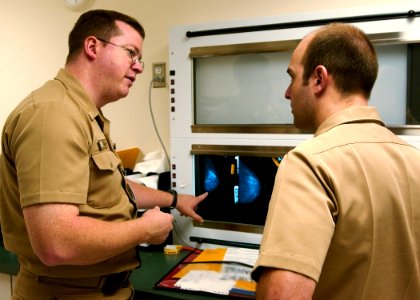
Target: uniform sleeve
<point x="299" y="224"/>
<point x="51" y="154"/>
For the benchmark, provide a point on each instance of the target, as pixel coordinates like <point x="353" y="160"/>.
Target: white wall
<point x="34" y="46"/>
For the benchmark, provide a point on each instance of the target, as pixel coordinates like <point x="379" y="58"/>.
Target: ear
<point x="90" y="47"/>
<point x="320" y="79"/>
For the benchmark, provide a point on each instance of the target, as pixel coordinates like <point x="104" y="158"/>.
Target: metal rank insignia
<point x="102" y="144"/>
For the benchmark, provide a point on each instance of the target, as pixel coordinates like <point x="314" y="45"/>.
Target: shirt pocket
<point x="106" y="160"/>
<point x="105" y="183"/>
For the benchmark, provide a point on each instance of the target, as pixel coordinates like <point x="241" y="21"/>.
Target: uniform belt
<point x="108" y="284"/>
<point x="116" y="281"/>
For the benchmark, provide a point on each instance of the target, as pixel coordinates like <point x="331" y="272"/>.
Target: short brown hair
<point x="348" y="55"/>
<point x="100" y="23"/>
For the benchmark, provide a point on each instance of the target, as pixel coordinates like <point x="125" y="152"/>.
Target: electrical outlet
<point x="159" y="75"/>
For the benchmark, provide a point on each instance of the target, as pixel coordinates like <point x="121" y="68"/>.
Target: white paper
<point x="149" y="181"/>
<point x="242" y="255"/>
<point x="153" y="162"/>
<point x="206" y="281"/>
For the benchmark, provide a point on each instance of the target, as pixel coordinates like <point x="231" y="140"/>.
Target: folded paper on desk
<point x="223" y="271"/>
<point x="149" y="181"/>
<point x="153" y="162"/>
<point x="148" y="171"/>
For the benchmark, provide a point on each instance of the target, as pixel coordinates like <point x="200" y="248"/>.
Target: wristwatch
<point x="175" y="198"/>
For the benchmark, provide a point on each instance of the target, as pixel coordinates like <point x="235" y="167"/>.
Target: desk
<point x="155" y="264"/>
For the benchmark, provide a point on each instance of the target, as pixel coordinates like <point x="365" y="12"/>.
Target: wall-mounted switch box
<point x="159" y="75"/>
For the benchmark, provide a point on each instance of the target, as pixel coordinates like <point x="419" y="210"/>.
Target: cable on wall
<point x="166" y="154"/>
<point x="154" y="123"/>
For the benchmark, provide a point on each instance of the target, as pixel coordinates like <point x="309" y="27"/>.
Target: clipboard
<point x="209" y="262"/>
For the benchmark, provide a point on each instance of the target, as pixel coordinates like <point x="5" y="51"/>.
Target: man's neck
<point x="336" y="103"/>
<point x="86" y="78"/>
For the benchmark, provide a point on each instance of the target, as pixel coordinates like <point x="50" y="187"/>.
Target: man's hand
<point x="158" y="223"/>
<point x="187" y="205"/>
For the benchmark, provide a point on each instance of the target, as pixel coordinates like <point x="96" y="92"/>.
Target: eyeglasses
<point x="133" y="54"/>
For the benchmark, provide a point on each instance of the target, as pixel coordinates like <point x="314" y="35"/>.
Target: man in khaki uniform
<point x="344" y="217"/>
<point x="65" y="207"/>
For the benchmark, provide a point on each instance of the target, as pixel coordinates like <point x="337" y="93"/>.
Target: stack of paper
<point x="220" y="271"/>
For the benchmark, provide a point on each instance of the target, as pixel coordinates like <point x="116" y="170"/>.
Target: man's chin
<point x="303" y="126"/>
<point x="124" y="93"/>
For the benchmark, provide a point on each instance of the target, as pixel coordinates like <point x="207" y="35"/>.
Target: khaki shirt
<point x="345" y="211"/>
<point x="55" y="151"/>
